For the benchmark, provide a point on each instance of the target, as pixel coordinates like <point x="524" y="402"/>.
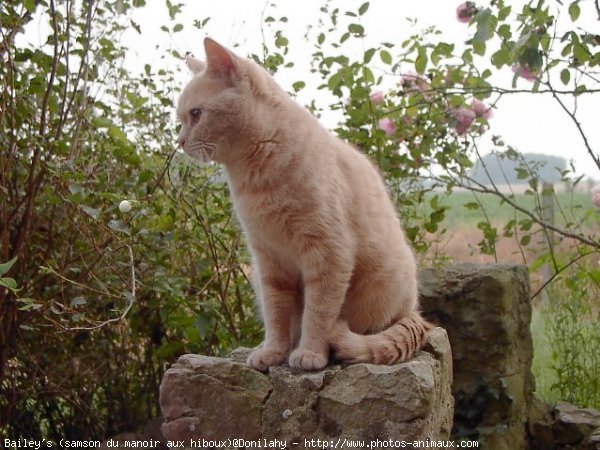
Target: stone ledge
<point x="211" y="398"/>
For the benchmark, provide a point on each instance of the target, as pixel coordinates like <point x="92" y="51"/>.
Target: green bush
<point x="99" y="301"/>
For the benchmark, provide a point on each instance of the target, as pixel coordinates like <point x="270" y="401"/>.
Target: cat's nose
<point x="181" y="142"/>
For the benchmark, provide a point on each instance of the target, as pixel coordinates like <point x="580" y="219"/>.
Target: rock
<point x="150" y="437"/>
<point x="218" y="399"/>
<point x="540" y="425"/>
<point x="563" y="427"/>
<point x="573" y="426"/>
<point x="487" y="313"/>
<point x="212" y="398"/>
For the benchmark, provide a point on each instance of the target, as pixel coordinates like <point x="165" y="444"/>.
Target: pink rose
<point x="481" y="109"/>
<point x="411" y="80"/>
<point x="387" y="125"/>
<point x="463" y="119"/>
<point x="525" y="72"/>
<point x="596" y="196"/>
<point x="377" y="97"/>
<point x="466" y="11"/>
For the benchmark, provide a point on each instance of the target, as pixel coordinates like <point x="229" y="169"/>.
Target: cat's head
<point x="226" y="107"/>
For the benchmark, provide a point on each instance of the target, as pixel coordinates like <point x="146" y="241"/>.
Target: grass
<point x="545" y="376"/>
<point x="565" y="366"/>
<point x="572" y="208"/>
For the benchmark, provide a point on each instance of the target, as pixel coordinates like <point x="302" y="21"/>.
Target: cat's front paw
<point x="263" y="358"/>
<point x="307" y="359"/>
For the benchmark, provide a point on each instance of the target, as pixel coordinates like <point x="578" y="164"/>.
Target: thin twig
<point x="595" y="157"/>
<point x="131" y="300"/>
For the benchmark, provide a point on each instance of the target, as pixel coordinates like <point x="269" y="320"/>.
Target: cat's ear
<point x="195" y="65"/>
<point x="221" y="62"/>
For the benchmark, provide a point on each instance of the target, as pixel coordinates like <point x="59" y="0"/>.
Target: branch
<point x="595" y="157"/>
<point x="17" y="26"/>
<point x="482" y="189"/>
<point x="32" y="185"/>
<point x="131" y="300"/>
<point x="557" y="273"/>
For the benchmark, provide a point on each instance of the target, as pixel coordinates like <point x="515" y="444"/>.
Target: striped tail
<point x="395" y="344"/>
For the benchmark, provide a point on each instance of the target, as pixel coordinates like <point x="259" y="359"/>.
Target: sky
<point x="530" y="123"/>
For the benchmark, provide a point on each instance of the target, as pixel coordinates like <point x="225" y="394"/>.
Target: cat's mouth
<point x="202" y="151"/>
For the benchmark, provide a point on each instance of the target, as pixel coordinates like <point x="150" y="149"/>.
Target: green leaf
<point x="173" y="9"/>
<point x="581" y="53"/>
<point x="421" y="61"/>
<point x="580" y="89"/>
<point x="298" y="85"/>
<point x="565" y="76"/>
<point x="5" y="267"/>
<point x="37" y="85"/>
<point x="486" y="25"/>
<point x="117" y="133"/>
<point x="503" y="13"/>
<point x="501" y="58"/>
<point x="30" y="306"/>
<point x="29" y="5"/>
<point x="368" y="55"/>
<point x="385" y="56"/>
<point x="504" y="31"/>
<point x="521" y="173"/>
<point x="363" y="8"/>
<point x="479" y="47"/>
<point x="525" y="224"/>
<point x="92" y="212"/>
<point x="101" y="122"/>
<point x="574" y="11"/>
<point x="334" y="81"/>
<point x="75" y="189"/>
<point x="9" y="283"/>
<point x="177" y="28"/>
<point x="467" y="57"/>
<point x="539" y="262"/>
<point x="77" y="301"/>
<point x="117" y="225"/>
<point x="135" y="26"/>
<point x="356" y="29"/>
<point x="281" y="42"/>
<point x="430" y="227"/>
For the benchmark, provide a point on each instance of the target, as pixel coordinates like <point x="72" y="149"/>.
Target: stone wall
<point x="210" y="398"/>
<point x="487" y="313"/>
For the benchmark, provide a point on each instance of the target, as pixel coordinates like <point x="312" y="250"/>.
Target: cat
<point x="332" y="268"/>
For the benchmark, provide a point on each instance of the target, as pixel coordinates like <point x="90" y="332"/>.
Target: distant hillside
<point x="503" y="171"/>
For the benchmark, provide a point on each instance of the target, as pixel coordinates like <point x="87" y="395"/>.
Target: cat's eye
<point x="195" y="113"/>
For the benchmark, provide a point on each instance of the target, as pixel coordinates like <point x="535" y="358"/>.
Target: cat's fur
<point x="332" y="266"/>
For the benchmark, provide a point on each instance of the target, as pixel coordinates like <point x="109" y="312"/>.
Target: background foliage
<point x="96" y="302"/>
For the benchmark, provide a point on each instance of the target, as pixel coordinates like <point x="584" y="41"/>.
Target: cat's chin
<point x="202" y="155"/>
<point x="202" y="158"/>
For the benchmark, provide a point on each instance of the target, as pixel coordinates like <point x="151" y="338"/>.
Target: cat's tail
<point x="395" y="344"/>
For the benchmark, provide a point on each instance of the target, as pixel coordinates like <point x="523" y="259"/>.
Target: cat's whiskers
<point x="201" y="150"/>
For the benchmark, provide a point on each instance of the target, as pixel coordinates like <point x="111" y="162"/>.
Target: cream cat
<point x="332" y="267"/>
